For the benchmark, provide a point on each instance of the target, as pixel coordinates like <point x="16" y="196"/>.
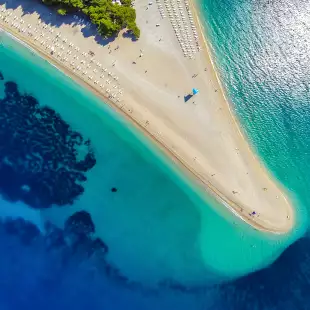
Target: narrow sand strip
<point x="201" y="135"/>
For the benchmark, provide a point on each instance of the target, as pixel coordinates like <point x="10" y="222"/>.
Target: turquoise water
<point x="261" y="50"/>
<point x="161" y="244"/>
<point x="261" y="53"/>
<point x="154" y="214"/>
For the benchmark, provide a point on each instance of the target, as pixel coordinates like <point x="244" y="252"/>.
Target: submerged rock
<point x="54" y="236"/>
<point x="98" y="244"/>
<point x="80" y="223"/>
<point x="25" y="230"/>
<point x="39" y="159"/>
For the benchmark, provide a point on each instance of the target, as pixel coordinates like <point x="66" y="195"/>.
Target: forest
<point x="109" y="17"/>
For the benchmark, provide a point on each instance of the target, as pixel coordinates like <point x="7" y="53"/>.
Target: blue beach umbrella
<point x="195" y="91"/>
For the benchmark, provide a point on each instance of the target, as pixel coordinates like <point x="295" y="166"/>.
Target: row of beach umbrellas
<point x="183" y="25"/>
<point x="65" y="51"/>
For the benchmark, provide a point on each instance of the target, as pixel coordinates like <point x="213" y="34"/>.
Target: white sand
<point x="201" y="133"/>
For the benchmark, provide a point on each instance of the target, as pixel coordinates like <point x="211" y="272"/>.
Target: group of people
<point x="81" y="63"/>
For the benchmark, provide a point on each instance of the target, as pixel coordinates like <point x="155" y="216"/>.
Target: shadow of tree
<point x="129" y="35"/>
<point x="49" y="16"/>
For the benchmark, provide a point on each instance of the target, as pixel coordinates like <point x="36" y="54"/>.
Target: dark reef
<point x="26" y="231"/>
<point x="76" y="235"/>
<point x="80" y="223"/>
<point x="39" y="162"/>
<point x="75" y="240"/>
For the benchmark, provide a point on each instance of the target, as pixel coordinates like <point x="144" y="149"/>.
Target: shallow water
<point x="262" y="54"/>
<point x="161" y="245"/>
<point x="79" y="155"/>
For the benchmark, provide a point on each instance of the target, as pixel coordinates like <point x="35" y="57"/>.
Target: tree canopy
<point x="109" y="17"/>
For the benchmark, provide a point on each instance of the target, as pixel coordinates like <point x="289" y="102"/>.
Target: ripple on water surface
<point x="262" y="52"/>
<point x="150" y="226"/>
<point x="70" y="153"/>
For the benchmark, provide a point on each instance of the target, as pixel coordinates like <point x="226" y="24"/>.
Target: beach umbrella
<point x="195" y="91"/>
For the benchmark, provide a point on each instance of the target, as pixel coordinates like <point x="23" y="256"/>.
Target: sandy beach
<point x="146" y="82"/>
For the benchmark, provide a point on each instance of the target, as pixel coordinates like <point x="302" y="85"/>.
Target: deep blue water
<point x="262" y="52"/>
<point x="39" y="272"/>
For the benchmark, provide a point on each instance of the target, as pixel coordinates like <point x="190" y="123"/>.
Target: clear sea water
<point x="117" y="226"/>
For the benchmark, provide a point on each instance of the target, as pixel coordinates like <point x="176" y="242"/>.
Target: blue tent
<point x="195" y="91"/>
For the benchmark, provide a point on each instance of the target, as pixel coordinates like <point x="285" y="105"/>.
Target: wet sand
<point x="201" y="135"/>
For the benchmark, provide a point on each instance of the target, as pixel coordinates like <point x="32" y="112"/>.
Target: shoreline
<point x="233" y="114"/>
<point x="186" y="169"/>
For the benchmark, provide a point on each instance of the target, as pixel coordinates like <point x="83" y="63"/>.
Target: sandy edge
<point x="187" y="170"/>
<point x="202" y="33"/>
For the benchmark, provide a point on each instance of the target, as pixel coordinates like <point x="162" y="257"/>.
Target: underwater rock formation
<point x="39" y="162"/>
